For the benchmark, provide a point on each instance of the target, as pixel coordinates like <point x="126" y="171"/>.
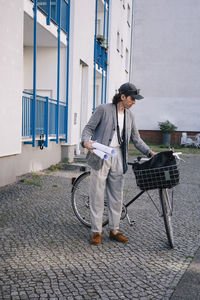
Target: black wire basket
<point x="161" y="171"/>
<point x="157" y="178"/>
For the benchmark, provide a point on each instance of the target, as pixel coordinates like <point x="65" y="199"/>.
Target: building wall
<point x="117" y="71"/>
<point x="29" y="160"/>
<point x="46" y="71"/>
<point x="16" y="56"/>
<point x="155" y="136"/>
<point x="11" y="76"/>
<point x="166" y="63"/>
<point x="81" y="55"/>
<point x="16" y="41"/>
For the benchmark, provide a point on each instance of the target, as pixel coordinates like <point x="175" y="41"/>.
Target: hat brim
<point x="136" y="97"/>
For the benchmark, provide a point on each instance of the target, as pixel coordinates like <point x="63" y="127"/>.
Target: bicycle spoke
<point x="165" y="201"/>
<point x="80" y="200"/>
<point x="154" y="203"/>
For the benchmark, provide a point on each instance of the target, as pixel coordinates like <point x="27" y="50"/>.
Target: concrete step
<point x="80" y="158"/>
<point x="74" y="167"/>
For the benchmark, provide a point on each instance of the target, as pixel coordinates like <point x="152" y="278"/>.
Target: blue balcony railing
<point x="101" y="55"/>
<point x="45" y="119"/>
<point x="50" y="8"/>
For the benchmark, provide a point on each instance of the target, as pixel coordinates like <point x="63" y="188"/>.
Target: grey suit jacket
<point x="101" y="127"/>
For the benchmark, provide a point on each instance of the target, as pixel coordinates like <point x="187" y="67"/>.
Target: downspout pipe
<point x="67" y="84"/>
<point x="34" y="71"/>
<point x="58" y="73"/>
<point x="103" y="62"/>
<point x="107" y="35"/>
<point x="95" y="43"/>
<point x="131" y="47"/>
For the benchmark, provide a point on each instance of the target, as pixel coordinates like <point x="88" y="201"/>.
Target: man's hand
<point x="88" y="145"/>
<point x="152" y="153"/>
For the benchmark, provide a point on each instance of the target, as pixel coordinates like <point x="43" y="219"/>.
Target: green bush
<point x="167" y="127"/>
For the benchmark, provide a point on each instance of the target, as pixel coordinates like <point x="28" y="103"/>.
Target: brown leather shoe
<point x="119" y="237"/>
<point x="96" y="238"/>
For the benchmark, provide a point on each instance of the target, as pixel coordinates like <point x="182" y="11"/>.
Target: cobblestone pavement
<point x="45" y="250"/>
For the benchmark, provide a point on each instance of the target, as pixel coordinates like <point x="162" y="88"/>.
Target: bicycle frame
<point x="83" y="215"/>
<point x="135" y="198"/>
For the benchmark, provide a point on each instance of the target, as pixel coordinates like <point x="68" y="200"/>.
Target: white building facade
<point x="165" y="63"/>
<point x="59" y="60"/>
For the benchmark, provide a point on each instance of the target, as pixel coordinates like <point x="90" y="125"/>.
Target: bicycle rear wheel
<point x="167" y="214"/>
<point x="81" y="201"/>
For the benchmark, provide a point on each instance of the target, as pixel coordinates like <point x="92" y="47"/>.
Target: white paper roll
<point x="104" y="148"/>
<point x="100" y="153"/>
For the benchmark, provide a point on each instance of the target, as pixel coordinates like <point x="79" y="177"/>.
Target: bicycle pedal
<point x="73" y="180"/>
<point x="131" y="222"/>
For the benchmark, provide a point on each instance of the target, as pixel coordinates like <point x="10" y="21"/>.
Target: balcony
<point x="46" y="120"/>
<point x="50" y="9"/>
<point x="101" y="55"/>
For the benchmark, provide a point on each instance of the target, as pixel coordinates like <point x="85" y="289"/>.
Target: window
<point x="127" y="60"/>
<point x="118" y="41"/>
<point x="129" y="15"/>
<point x="122" y="47"/>
<point x="98" y="27"/>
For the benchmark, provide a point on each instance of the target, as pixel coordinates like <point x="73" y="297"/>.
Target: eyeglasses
<point x="132" y="99"/>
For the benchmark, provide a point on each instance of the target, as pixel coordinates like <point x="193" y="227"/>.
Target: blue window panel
<point x="26" y="116"/>
<point x="101" y="56"/>
<point x="64" y="15"/>
<point x="43" y="6"/>
<point x="62" y="122"/>
<point x="52" y="118"/>
<point x="41" y="117"/>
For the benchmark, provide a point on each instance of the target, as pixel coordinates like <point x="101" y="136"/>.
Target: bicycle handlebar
<point x="139" y="158"/>
<point x="176" y="154"/>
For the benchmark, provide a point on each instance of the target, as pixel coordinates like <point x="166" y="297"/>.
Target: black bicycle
<point x="148" y="176"/>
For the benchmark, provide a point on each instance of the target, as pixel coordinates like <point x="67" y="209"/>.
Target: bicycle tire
<point x="80" y="200"/>
<point x="167" y="210"/>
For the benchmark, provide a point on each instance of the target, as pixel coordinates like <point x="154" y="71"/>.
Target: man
<point x="111" y="125"/>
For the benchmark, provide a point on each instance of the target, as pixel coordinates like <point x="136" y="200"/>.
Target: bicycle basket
<point x="161" y="171"/>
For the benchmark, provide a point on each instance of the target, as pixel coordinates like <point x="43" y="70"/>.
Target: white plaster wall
<point x="117" y="74"/>
<point x="81" y="48"/>
<point x="166" y="62"/>
<point x="42" y="27"/>
<point x="33" y="159"/>
<point x="15" y="76"/>
<point x="30" y="160"/>
<point x="11" y="76"/>
<point x="46" y="70"/>
<point x="150" y="111"/>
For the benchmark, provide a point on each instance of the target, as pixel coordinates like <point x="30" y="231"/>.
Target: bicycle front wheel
<point x="81" y="200"/>
<point x="167" y="214"/>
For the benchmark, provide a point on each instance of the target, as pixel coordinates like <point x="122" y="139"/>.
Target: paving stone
<point x="46" y="254"/>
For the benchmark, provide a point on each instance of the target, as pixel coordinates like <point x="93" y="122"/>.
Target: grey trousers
<point x="109" y="179"/>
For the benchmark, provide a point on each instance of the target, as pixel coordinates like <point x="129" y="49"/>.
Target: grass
<point x="35" y="175"/>
<point x="158" y="148"/>
<point x="54" y="168"/>
<point x="30" y="182"/>
<point x="55" y="185"/>
<point x="190" y="256"/>
<point x="3" y="219"/>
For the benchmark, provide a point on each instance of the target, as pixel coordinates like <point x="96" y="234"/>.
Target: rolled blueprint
<point x="101" y="154"/>
<point x="104" y="148"/>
